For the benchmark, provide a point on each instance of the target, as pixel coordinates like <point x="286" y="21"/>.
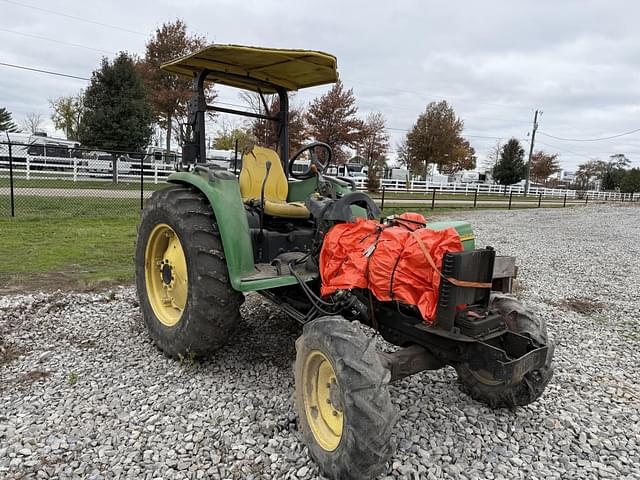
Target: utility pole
<point x="533" y="139"/>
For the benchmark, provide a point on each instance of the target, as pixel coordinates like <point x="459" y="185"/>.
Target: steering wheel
<point x="314" y="160"/>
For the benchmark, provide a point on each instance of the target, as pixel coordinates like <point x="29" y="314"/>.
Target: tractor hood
<point x="258" y="69"/>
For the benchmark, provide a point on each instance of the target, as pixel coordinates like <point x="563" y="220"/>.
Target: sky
<point x="495" y="62"/>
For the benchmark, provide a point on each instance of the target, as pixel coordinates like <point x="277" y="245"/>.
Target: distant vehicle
<point x="102" y="163"/>
<point x="396" y="173"/>
<point x="40" y="150"/>
<point x="352" y="170"/>
<point x="469" y="177"/>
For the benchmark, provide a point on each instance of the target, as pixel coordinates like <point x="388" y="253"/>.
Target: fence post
<point x="586" y="198"/>
<point x="11" y="192"/>
<point x="433" y="199"/>
<point x="564" y="204"/>
<point x="28" y="164"/>
<point x="235" y="160"/>
<point x="382" y="202"/>
<point x="475" y="197"/>
<point x="510" y="197"/>
<point x="75" y="169"/>
<point x="114" y="168"/>
<point x="539" y="199"/>
<point x="155" y="173"/>
<point x="142" y="182"/>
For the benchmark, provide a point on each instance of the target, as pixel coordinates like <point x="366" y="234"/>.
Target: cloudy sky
<point x="494" y="61"/>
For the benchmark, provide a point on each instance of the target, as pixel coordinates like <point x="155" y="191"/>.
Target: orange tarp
<point x="387" y="260"/>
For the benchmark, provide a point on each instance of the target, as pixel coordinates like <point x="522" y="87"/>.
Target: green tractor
<point x="210" y="237"/>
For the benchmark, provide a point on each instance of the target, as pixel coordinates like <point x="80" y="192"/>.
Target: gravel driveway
<point x="83" y="392"/>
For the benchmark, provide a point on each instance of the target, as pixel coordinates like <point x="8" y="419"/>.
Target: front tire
<point x="183" y="285"/>
<point x="342" y="400"/>
<point x="481" y="386"/>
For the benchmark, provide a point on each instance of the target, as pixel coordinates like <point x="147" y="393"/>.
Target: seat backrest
<point x="254" y="170"/>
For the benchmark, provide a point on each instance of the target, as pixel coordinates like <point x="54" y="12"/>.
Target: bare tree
<point x="32" y="122"/>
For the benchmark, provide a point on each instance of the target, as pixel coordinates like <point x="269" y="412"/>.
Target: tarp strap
<point x="454" y="281"/>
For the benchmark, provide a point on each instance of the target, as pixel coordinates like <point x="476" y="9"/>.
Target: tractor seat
<point x="276" y="188"/>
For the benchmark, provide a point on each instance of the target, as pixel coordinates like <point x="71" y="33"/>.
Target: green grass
<point x="28" y="206"/>
<point x="59" y="249"/>
<point x="93" y="184"/>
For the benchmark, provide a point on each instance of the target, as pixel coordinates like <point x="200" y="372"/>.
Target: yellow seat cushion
<point x="276" y="189"/>
<point x="284" y="209"/>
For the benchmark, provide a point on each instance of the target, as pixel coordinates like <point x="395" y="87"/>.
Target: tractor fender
<point x="223" y="193"/>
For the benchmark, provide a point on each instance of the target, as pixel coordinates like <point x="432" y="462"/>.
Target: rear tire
<point x="207" y="309"/>
<point x="342" y="400"/>
<point x="482" y="387"/>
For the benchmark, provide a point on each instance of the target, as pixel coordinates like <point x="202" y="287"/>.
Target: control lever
<point x="325" y="188"/>
<point x="267" y="166"/>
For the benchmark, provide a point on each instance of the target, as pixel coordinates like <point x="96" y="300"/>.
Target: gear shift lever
<point x="267" y="166"/>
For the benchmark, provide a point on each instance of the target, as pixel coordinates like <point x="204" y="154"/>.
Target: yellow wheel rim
<point x="165" y="272"/>
<point x="322" y="400"/>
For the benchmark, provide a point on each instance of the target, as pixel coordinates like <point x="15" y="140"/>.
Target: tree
<point x="510" y="168"/>
<point x="169" y="93"/>
<point x="436" y="138"/>
<point x="67" y="114"/>
<point x="589" y="174"/>
<point x="463" y="157"/>
<point x="227" y="136"/>
<point x="492" y="158"/>
<point x="631" y="181"/>
<point x="613" y="172"/>
<point x="6" y="123"/>
<point x="332" y="118"/>
<point x="373" y="148"/>
<point x="32" y="122"/>
<point x="402" y="153"/>
<point x="117" y="112"/>
<point x="266" y="132"/>
<point x="543" y="165"/>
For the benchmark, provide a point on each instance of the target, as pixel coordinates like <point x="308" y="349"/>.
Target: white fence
<point x="83" y="169"/>
<point x="30" y="167"/>
<point x="427" y="188"/>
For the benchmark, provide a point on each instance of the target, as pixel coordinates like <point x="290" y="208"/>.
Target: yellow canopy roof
<point x="254" y="68"/>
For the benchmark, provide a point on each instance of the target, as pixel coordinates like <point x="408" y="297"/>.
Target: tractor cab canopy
<point x="264" y="70"/>
<point x="261" y="70"/>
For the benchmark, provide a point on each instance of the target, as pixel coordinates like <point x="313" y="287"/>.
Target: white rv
<point x="40" y="150"/>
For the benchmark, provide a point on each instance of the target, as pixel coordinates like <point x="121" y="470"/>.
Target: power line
<point x="49" y="72"/>
<point x="591" y="139"/>
<point x="55" y="41"/>
<point x="60" y="14"/>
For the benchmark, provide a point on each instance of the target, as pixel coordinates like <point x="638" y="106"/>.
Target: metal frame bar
<point x="198" y="107"/>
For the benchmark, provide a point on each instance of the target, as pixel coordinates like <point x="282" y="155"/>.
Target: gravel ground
<point x="85" y="394"/>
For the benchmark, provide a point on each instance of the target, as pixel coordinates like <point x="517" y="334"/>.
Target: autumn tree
<point x="117" y="112"/>
<point x="332" y="118"/>
<point x="266" y="131"/>
<point x="373" y="148"/>
<point x="543" y="165"/>
<point x="436" y="138"/>
<point x="6" y="123"/>
<point x="510" y="168"/>
<point x="32" y="122"/>
<point x="67" y="114"/>
<point x="169" y="93"/>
